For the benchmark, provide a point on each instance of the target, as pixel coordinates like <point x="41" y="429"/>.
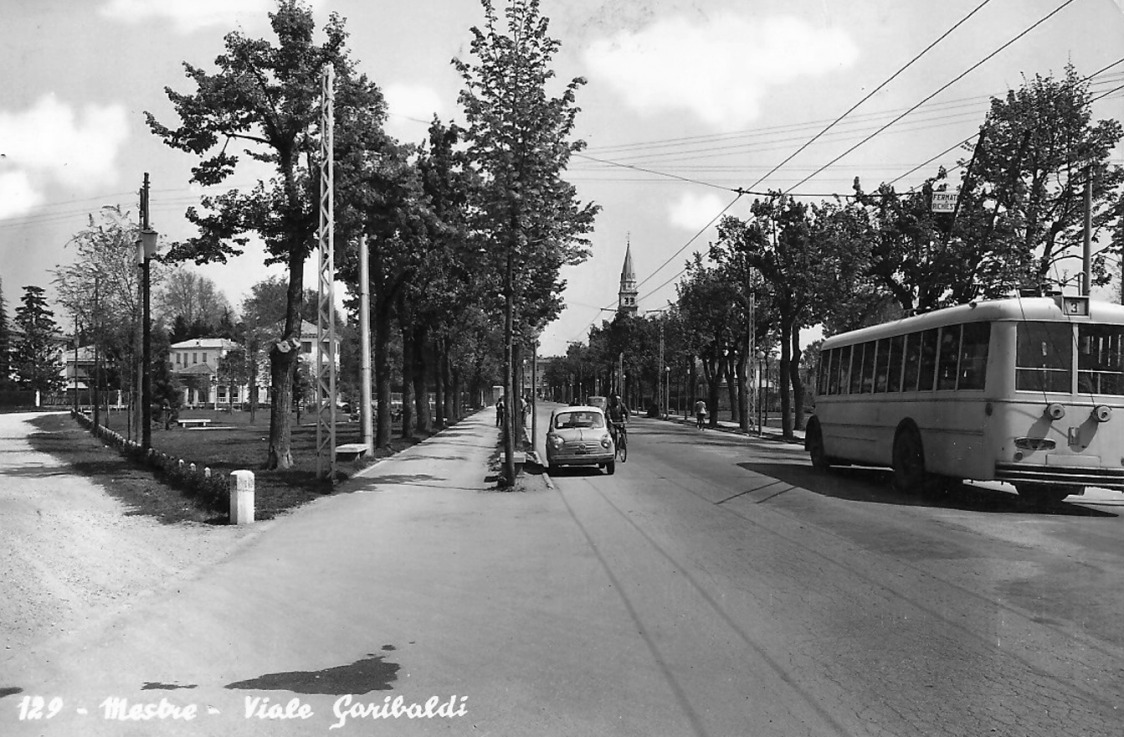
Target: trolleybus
<point x="1028" y="391"/>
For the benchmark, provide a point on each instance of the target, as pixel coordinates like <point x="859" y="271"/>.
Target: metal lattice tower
<point x="325" y="313"/>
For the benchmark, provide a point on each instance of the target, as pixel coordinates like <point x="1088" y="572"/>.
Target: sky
<point x="685" y="102"/>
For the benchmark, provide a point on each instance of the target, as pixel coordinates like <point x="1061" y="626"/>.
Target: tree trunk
<point x="407" y="383"/>
<point x="797" y="383"/>
<point x="743" y="393"/>
<point x="457" y="383"/>
<point x="692" y="385"/>
<point x="508" y="369"/>
<point x="381" y="322"/>
<point x="255" y="346"/>
<point x="439" y="382"/>
<point x="786" y="395"/>
<point x="731" y="387"/>
<point x="424" y="419"/>
<point x="283" y="363"/>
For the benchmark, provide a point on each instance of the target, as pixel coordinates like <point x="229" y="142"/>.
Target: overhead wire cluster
<point x="678" y="158"/>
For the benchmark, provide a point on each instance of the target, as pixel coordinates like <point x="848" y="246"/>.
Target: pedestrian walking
<point x="499" y="412"/>
<point x="700" y="414"/>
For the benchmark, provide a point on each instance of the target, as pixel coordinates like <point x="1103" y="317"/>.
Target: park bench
<point x="350" y="451"/>
<point x="194" y="422"/>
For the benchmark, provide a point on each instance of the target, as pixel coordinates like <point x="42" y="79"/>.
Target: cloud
<point x="693" y="211"/>
<point x="411" y="109"/>
<point x="191" y="15"/>
<point x="56" y="142"/>
<point x="721" y="69"/>
<point x="17" y="195"/>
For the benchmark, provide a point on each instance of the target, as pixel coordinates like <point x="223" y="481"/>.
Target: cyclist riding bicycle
<point x="618" y="418"/>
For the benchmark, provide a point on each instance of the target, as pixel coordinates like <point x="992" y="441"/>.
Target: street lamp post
<point x="147" y="249"/>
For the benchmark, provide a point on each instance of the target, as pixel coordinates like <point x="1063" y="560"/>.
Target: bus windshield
<point x="1044" y="358"/>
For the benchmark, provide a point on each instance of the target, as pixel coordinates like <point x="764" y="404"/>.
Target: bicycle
<point x="620" y="441"/>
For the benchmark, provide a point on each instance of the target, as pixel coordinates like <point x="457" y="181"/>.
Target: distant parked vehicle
<point x="579" y="436"/>
<point x="601" y="403"/>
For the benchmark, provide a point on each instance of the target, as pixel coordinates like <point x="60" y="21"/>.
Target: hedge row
<point x="210" y="490"/>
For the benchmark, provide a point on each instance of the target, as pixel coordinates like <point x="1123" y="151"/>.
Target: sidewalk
<point x="768" y="432"/>
<point x="328" y="593"/>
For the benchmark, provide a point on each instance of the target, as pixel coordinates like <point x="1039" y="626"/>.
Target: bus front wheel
<point x="909" y="461"/>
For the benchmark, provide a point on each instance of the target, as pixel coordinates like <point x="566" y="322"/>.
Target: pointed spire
<point x="627" y="295"/>
<point x="627" y="273"/>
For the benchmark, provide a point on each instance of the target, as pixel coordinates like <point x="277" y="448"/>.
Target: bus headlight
<point x="1055" y="411"/>
<point x="1102" y="412"/>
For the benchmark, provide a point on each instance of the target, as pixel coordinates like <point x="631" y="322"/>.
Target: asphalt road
<point x="713" y="586"/>
<point x="773" y="600"/>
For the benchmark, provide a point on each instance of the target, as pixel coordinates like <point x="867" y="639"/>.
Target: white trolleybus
<point x="1029" y="391"/>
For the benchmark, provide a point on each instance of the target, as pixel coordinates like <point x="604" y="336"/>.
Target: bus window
<point x="882" y="365"/>
<point x="1044" y="357"/>
<point x="825" y="373"/>
<point x="842" y="370"/>
<point x="973" y="355"/>
<point x="856" y="368"/>
<point x="1099" y="366"/>
<point x="868" y="368"/>
<point x="928" y="360"/>
<point x="948" y="357"/>
<point x="912" y="362"/>
<point x="833" y="371"/>
<point x="894" y="383"/>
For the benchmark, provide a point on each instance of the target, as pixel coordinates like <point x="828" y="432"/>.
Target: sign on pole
<point x="944" y="201"/>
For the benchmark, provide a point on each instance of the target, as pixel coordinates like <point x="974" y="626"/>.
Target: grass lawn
<point x="230" y="443"/>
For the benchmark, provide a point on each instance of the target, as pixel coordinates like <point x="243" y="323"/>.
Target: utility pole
<point x="326" y="324"/>
<point x="660" y="396"/>
<point x="534" y="389"/>
<point x="96" y="400"/>
<point x="1087" y="246"/>
<point x="148" y="247"/>
<point x="75" y="372"/>
<point x="365" y="346"/>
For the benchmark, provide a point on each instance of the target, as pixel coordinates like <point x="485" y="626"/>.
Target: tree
<point x="266" y="98"/>
<point x="1040" y="149"/>
<point x="36" y="355"/>
<point x="519" y="141"/>
<point x="236" y="368"/>
<point x="5" y="342"/>
<point x="193" y="297"/>
<point x="101" y="287"/>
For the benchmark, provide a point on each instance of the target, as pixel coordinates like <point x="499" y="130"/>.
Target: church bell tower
<point x="626" y="297"/>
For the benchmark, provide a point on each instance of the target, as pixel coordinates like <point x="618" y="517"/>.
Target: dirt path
<point x="71" y="555"/>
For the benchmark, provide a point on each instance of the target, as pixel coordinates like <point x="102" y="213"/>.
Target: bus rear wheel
<point x="1044" y="494"/>
<point x="909" y="462"/>
<point x="814" y="443"/>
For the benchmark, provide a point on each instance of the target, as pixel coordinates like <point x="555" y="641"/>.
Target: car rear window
<point x="578" y="419"/>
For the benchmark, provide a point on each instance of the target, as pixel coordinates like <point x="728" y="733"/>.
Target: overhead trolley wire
<point x="941" y="89"/>
<point x="955" y="146"/>
<point x="871" y="94"/>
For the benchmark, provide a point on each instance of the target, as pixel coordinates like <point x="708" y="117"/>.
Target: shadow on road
<point x="861" y="484"/>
